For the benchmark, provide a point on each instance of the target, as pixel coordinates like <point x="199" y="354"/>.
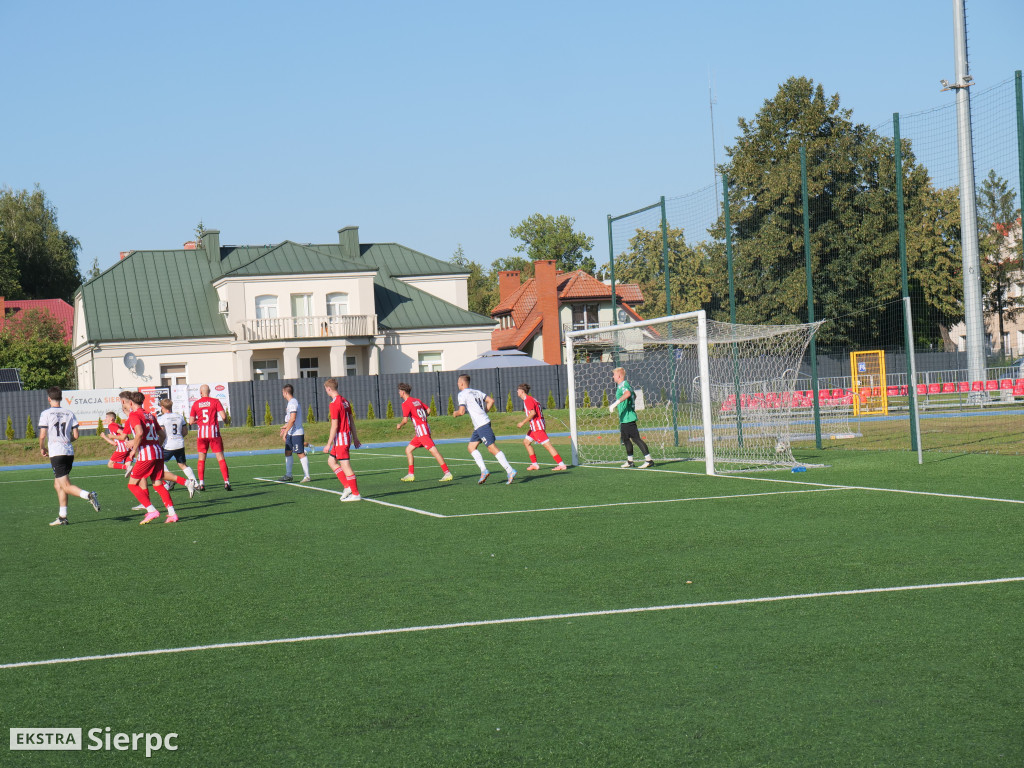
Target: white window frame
<point x="173" y="374"/>
<point x="351" y="365"/>
<point x="265" y="310"/>
<point x="309" y="367"/>
<point x="427" y="363"/>
<point x="336" y="301"/>
<point x="266" y="370"/>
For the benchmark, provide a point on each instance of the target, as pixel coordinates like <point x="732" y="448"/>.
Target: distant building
<point x="534" y="315"/>
<point x="235" y="313"/>
<point x="58" y="309"/>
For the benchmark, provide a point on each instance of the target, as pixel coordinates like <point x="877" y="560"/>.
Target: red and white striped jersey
<point x="150" y="448"/>
<point x="413" y="408"/>
<point x="537" y="422"/>
<point x="341" y="410"/>
<point x="204" y="413"/>
<point x="120" y="438"/>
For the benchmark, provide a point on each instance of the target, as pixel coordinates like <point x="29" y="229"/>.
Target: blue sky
<point x="426" y="124"/>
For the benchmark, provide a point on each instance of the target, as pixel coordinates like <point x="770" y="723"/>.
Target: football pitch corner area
<point x="600" y="616"/>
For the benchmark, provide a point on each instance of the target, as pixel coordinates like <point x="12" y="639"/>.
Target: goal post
<point x="721" y="393"/>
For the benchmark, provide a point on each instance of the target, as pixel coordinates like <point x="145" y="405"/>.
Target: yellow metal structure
<point x="870" y="394"/>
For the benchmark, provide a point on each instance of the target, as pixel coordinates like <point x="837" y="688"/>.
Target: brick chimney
<point x="546" y="275"/>
<point x="508" y="283"/>
<point x="125" y="253"/>
<point x="191" y="245"/>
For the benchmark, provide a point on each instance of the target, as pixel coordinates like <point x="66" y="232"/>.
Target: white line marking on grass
<point x="495" y="622"/>
<point x="825" y="485"/>
<point x="365" y="498"/>
<point x="654" y="501"/>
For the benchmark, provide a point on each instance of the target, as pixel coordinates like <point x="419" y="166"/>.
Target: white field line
<point x="495" y="622"/>
<point x="365" y="498"/>
<point x="826" y="485"/>
<point x="654" y="501"/>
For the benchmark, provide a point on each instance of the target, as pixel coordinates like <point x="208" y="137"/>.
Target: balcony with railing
<point x="309" y="327"/>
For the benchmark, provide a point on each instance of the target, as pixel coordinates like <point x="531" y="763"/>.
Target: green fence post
<point x="668" y="311"/>
<point x="1020" y="143"/>
<point x="902" y="224"/>
<point x="810" y="293"/>
<point x="732" y="307"/>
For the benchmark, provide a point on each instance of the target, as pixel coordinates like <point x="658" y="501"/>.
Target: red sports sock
<point x="444" y="467"/>
<point x="201" y="469"/>
<point x="179" y="480"/>
<point x="352" y="484"/>
<point x="120" y="465"/>
<point x="533" y="458"/>
<point x="223" y="468"/>
<point x="557" y="458"/>
<point x="411" y="469"/>
<point x="142" y="494"/>
<point x="340" y="474"/>
<point x="164" y="495"/>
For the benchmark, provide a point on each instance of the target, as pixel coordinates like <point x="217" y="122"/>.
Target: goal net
<point x="718" y="392"/>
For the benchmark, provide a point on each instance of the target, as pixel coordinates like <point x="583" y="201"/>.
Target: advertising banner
<point x="184" y="395"/>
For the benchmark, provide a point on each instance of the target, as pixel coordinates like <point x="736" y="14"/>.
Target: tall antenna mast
<point x="714" y="150"/>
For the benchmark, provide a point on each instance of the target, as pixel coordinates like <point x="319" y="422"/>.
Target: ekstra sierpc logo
<point x="96" y="739"/>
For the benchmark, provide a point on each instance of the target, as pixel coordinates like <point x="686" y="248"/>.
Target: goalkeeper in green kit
<point x="625" y="402"/>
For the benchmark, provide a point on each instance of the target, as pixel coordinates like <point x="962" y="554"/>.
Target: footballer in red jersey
<point x="342" y="437"/>
<point x="118" y="438"/>
<point x="536" y="433"/>
<point x="413" y="408"/>
<point x="148" y="454"/>
<point x="208" y="412"/>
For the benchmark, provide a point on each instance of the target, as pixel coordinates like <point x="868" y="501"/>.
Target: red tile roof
<point x="58" y="308"/>
<point x="572" y="286"/>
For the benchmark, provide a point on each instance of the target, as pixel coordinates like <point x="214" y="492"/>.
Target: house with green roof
<point x="212" y="312"/>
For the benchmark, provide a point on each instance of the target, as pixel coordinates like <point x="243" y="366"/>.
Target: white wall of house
<point x="400" y="351"/>
<point x="240" y="294"/>
<point x="205" y="360"/>
<point x="452" y="288"/>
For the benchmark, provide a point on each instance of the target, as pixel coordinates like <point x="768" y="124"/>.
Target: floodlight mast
<point x="974" y="318"/>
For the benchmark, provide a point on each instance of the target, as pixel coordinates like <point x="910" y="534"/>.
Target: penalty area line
<point x="496" y="622"/>
<point x="649" y="501"/>
<point x="365" y="498"/>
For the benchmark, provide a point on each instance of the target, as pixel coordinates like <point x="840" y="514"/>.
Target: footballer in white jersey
<point x="58" y="429"/>
<point x="294" y="436"/>
<point x="477" y="404"/>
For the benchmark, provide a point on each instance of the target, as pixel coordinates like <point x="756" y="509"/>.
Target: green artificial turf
<point x="917" y="677"/>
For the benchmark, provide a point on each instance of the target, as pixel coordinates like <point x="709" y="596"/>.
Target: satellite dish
<point x="129" y="361"/>
<point x="140" y="368"/>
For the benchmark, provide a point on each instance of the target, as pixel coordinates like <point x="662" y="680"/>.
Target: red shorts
<point x="538" y="436"/>
<point x="207" y="444"/>
<point x="154" y="470"/>
<point x="422" y="441"/>
<point x="120" y="457"/>
<point x="340" y="452"/>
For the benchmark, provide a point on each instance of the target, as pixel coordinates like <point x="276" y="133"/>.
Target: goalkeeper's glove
<point x="613" y="408"/>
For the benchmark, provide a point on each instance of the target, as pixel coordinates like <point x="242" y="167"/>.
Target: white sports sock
<point x="289" y="462"/>
<point x="500" y="456"/>
<point x="83" y="494"/>
<point x="304" y="461"/>
<point x="479" y="459"/>
<point x="62" y="512"/>
<point x="190" y="474"/>
<point x="647" y="457"/>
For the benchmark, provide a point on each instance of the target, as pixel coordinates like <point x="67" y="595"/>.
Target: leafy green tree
<point x="30" y="429"/>
<point x="852" y="213"/>
<point x="94" y="270"/>
<point x="9" y="432"/>
<point x="551" y="400"/>
<point x="369" y="412"/>
<point x="390" y="413"/>
<point x="44" y="256"/>
<point x="311" y="417"/>
<point x="33" y="342"/>
<point x="227" y="419"/>
<point x="935" y="261"/>
<point x="553" y="237"/>
<point x="268" y="415"/>
<point x="481" y="288"/>
<point x="250" y="420"/>
<point x="1000" y="261"/>
<point x="433" y="407"/>
<point x="508" y="405"/>
<point x="690" y="280"/>
<point x="451" y="405"/>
